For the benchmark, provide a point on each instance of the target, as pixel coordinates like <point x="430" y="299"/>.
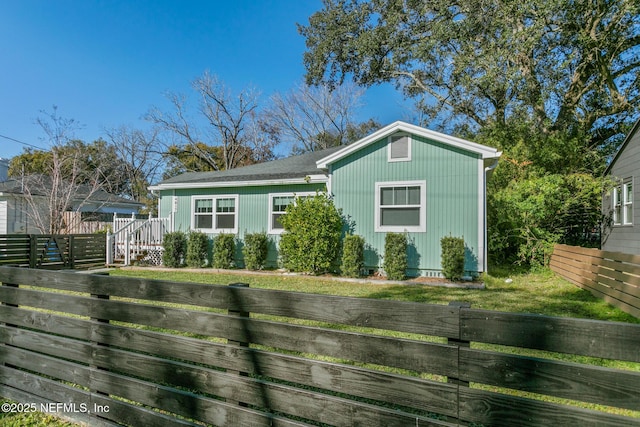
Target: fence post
<point x="72" y="255"/>
<point x="235" y="310"/>
<point x="33" y="251"/>
<point x="109" y="249"/>
<point x="458" y="343"/>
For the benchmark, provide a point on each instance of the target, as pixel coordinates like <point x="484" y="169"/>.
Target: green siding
<point x="452" y="206"/>
<point x="453" y="201"/>
<point x="253" y="208"/>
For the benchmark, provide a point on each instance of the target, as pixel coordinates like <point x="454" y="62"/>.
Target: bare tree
<point x="65" y="186"/>
<point x="141" y="155"/>
<point x="227" y="117"/>
<point x="312" y="118"/>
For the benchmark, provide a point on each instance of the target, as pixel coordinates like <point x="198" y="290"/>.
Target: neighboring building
<point x="402" y="178"/>
<point x="4" y="169"/>
<point x="98" y="208"/>
<point x="623" y="232"/>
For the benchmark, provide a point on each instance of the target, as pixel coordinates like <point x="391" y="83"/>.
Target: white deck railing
<point x="132" y="237"/>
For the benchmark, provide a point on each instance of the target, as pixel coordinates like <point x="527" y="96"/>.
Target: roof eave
<point x="630" y="135"/>
<point x="309" y="179"/>
<point x="399" y="126"/>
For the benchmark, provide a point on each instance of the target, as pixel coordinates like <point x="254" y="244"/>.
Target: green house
<point x="402" y="178"/>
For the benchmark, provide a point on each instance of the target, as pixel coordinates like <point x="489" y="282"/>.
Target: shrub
<point x="352" y="255"/>
<point x="175" y="248"/>
<point x="255" y="250"/>
<point x="452" y="257"/>
<point x="395" y="256"/>
<point x="224" y="247"/>
<point x="311" y="240"/>
<point x="197" y="249"/>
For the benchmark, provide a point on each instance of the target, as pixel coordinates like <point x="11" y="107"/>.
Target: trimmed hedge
<point x="255" y="250"/>
<point x="395" y="256"/>
<point x="452" y="257"/>
<point x="352" y="255"/>
<point x="311" y="241"/>
<point x="224" y="248"/>
<point x="197" y="249"/>
<point x="175" y="249"/>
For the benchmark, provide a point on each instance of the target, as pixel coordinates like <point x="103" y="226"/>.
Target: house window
<point x="400" y="206"/>
<point x="399" y="148"/>
<point x="215" y="214"/>
<point x="277" y="208"/>
<point x="627" y="202"/>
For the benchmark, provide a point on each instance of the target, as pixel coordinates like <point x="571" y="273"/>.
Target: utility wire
<point x="20" y="142"/>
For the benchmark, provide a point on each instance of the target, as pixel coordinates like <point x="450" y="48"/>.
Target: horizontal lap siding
<point x="625" y="238"/>
<point x="451" y="177"/>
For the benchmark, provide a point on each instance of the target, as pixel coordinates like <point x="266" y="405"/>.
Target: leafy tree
<point x="87" y="163"/>
<point x="560" y="65"/>
<point x="554" y="84"/>
<point x="197" y="157"/>
<point x="311" y="240"/>
<point x="529" y="216"/>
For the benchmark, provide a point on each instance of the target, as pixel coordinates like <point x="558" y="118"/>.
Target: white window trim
<point x="625" y="203"/>
<point x="215" y="230"/>
<point x="276" y="231"/>
<point x="400" y="159"/>
<point x="421" y="228"/>
<point x="616" y="203"/>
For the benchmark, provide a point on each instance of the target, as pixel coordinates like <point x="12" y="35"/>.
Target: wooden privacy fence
<point x="236" y="356"/>
<point x="612" y="276"/>
<point x="53" y="252"/>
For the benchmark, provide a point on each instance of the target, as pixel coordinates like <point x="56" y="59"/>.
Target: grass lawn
<point x="540" y="292"/>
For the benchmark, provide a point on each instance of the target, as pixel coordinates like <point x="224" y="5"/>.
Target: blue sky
<point x="105" y="63"/>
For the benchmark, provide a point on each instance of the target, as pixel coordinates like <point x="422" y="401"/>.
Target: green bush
<point x="224" y="248"/>
<point x="352" y="255"/>
<point x="452" y="257"/>
<point x="175" y="248"/>
<point x="311" y="240"/>
<point x="255" y="251"/>
<point x="197" y="249"/>
<point x="395" y="256"/>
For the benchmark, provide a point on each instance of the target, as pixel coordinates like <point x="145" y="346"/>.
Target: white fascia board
<point x="484" y="151"/>
<point x="310" y="179"/>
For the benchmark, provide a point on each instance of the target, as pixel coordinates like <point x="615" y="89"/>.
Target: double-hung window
<point x="277" y="208"/>
<point x="217" y="214"/>
<point x="622" y="203"/>
<point x="401" y="206"/>
<point x="627" y="202"/>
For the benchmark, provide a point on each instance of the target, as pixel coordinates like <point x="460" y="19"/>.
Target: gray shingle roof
<point x="291" y="167"/>
<point x="40" y="185"/>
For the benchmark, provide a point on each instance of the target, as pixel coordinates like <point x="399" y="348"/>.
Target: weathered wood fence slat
<point x="53" y="252"/>
<point x="187" y="353"/>
<point x="612" y="276"/>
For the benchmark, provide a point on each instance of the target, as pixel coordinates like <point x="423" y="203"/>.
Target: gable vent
<point x="399" y="147"/>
